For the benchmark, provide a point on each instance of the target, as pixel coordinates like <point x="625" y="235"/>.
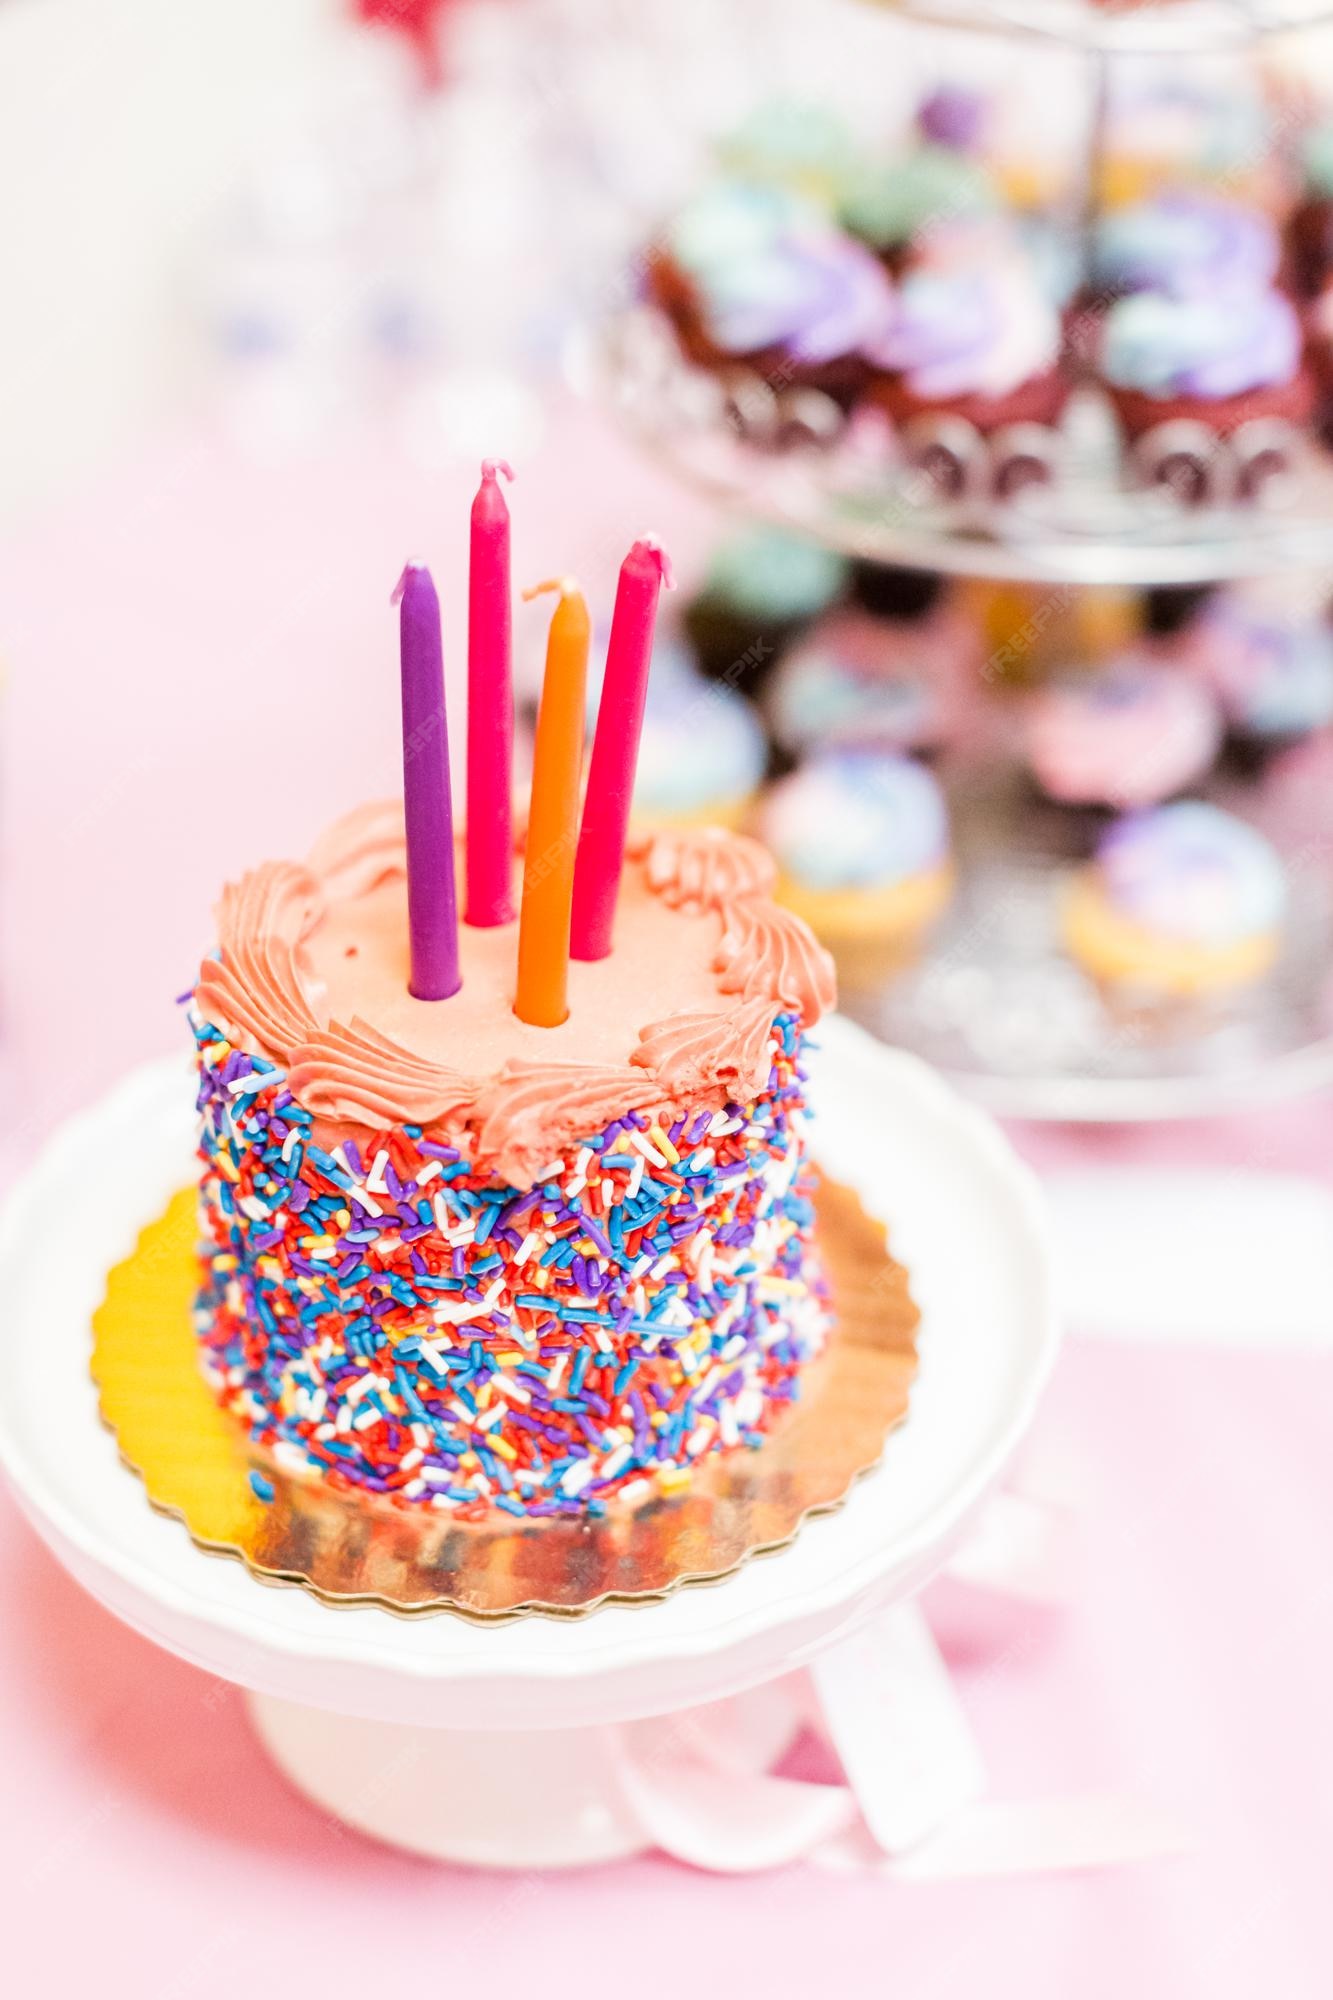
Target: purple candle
<point x="432" y="910"/>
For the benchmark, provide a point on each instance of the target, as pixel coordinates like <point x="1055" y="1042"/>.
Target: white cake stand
<point x="491" y="1744"/>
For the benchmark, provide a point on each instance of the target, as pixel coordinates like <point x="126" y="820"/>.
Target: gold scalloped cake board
<point x="195" y="1461"/>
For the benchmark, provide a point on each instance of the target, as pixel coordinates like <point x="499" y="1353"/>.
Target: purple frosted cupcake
<point x="973" y="340"/>
<point x="1187" y="243"/>
<point x="763" y="283"/>
<point x="1215" y="363"/>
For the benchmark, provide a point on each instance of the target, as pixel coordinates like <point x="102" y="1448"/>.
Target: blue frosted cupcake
<point x="761" y="589"/>
<point x="752" y="278"/>
<point x="1218" y="363"/>
<point x="1270" y="668"/>
<point x="861" y="839"/>
<point x="1187" y="242"/>
<point x="791" y="143"/>
<point x="896" y="206"/>
<point x="854" y="679"/>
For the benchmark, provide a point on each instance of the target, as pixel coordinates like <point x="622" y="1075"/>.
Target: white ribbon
<point x="699" y="1785"/>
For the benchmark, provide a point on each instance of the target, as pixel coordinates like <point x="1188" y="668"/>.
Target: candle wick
<point x="410" y="569"/>
<point x="491" y="466"/>
<point x="566" y="585"/>
<point x="651" y="546"/>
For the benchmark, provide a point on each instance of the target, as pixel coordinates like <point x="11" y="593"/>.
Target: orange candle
<point x="553" y="817"/>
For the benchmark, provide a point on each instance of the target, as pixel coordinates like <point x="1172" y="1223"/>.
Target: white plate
<point x="964" y="1216"/>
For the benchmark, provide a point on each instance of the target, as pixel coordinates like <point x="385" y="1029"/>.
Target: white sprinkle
<point x="577" y="1477"/>
<point x="556" y="1373"/>
<point x="430" y="1172"/>
<point x="575" y="1187"/>
<point x="251" y="1205"/>
<point x="414" y="1488"/>
<point x="412" y="1459"/>
<point x="649" y="1151"/>
<point x="528" y="1245"/>
<point x="509" y="1387"/>
<point x="375" y="1178"/>
<point x="551" y="1173"/>
<point x="584" y="1161"/>
<point x="635" y="1178"/>
<point x="290" y="1143"/>
<point x="240" y="1085"/>
<point x="617" y="1462"/>
<point x="703" y="1158"/>
<point x="367" y="1420"/>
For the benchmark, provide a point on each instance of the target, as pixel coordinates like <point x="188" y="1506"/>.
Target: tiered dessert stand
<point x="996" y="1006"/>
<point x="503" y="1743"/>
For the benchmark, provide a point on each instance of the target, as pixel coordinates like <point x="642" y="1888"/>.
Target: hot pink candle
<point x="490" y="706"/>
<point x="615" y="749"/>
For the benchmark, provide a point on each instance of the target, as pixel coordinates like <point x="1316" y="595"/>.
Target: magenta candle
<point x="490" y="706"/>
<point x="432" y="912"/>
<point x="615" y="749"/>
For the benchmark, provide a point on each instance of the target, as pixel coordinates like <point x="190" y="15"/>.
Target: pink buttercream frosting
<point x="312" y="969"/>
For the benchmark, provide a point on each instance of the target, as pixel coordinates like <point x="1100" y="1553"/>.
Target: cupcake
<point x="1214" y="364"/>
<point x="774" y="289"/>
<point x="1166" y="127"/>
<point x="791" y="143"/>
<point x="1179" y="902"/>
<point x="1128" y="734"/>
<point x="702" y="754"/>
<point x="861" y="839"/>
<point x="896" y="207"/>
<point x="1271" y="669"/>
<point x="1185" y="242"/>
<point x="977" y="342"/>
<point x="760" y="590"/>
<point x="855" y="679"/>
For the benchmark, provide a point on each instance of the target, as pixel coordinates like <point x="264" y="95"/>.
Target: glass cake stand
<point x="787" y="456"/>
<point x="1135" y="27"/>
<point x="493" y="1744"/>
<point x="997" y="1005"/>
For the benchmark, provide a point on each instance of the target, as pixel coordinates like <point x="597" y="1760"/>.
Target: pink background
<point x="202" y="670"/>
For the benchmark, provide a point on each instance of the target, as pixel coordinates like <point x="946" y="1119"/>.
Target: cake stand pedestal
<point x="507" y="1743"/>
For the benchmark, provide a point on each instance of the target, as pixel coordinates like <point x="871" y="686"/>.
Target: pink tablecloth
<point x="202" y="668"/>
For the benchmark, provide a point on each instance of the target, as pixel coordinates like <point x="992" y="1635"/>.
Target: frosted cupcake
<point x="896" y="207"/>
<point x="1178" y="903"/>
<point x="861" y="839"/>
<point x="1219" y="363"/>
<point x="855" y="679"/>
<point x="761" y="589"/>
<point x="1167" y="127"/>
<point x="792" y="143"/>
<point x="1270" y="668"/>
<point x="1132" y="733"/>
<point x="1186" y="242"/>
<point x="752" y="280"/>
<point x="979" y="342"/>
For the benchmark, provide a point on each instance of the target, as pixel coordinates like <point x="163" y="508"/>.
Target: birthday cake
<point x="466" y="1261"/>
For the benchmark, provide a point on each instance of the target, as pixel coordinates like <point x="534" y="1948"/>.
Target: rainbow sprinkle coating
<point x="383" y="1317"/>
